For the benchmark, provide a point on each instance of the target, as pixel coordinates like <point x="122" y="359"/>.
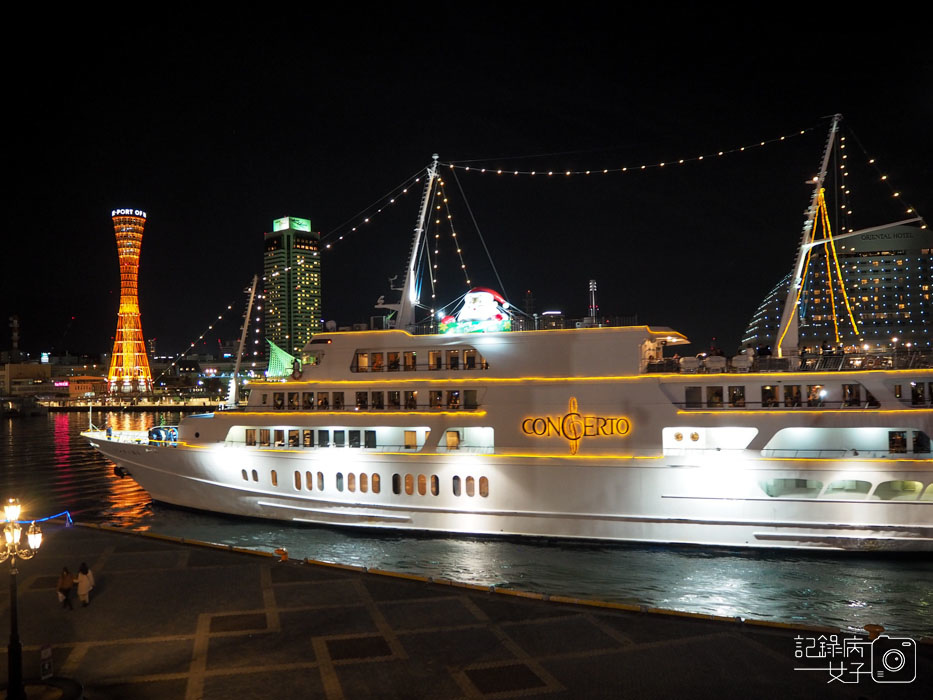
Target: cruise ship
<point x="591" y="433"/>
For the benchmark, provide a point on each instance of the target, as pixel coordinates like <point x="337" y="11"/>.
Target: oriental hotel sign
<point x="573" y="426"/>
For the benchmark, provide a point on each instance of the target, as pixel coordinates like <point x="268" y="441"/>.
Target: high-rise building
<point x="129" y="365"/>
<point x="888" y="277"/>
<point x="292" y="283"/>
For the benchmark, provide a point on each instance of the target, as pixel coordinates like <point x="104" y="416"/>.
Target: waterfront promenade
<point x="175" y="620"/>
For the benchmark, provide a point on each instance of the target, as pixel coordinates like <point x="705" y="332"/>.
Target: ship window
<point x="309" y="480"/>
<point x="392" y="361"/>
<point x="293" y="438"/>
<point x="265" y="399"/>
<point x="714" y="397"/>
<point x="307" y="400"/>
<point x="897" y="441"/>
<point x="280" y="438"/>
<point x="362" y="400"/>
<point x="377" y="485"/>
<point x="340" y="438"/>
<point x="396" y="484"/>
<point x="453" y="399"/>
<point x="364" y="482"/>
<point x="278" y="400"/>
<point x="435" y="485"/>
<point x="323" y="438"/>
<point x="369" y="439"/>
<point x="320" y="481"/>
<point x="338" y="400"/>
<point x="411" y="361"/>
<point x="898" y="392"/>
<point x="378" y="400"/>
<point x="323" y="400"/>
<point x="275" y="478"/>
<point x="870" y="400"/>
<point x="469" y="359"/>
<point x="376" y="360"/>
<point x="851" y="394"/>
<point x="245" y="477"/>
<point x="411" y="439"/>
<point x="916" y="394"/>
<point x="848" y="488"/>
<point x="298" y="481"/>
<point x="792" y="395"/>
<point x="409" y="484"/>
<point x="264" y="437"/>
<point x="769" y="396"/>
<point x="351" y="482"/>
<point x="737" y="396"/>
<point x="453" y="439"/>
<point x="251" y="436"/>
<point x="470" y="486"/>
<point x="435" y="359"/>
<point x="456" y="485"/>
<point x="411" y="400"/>
<point x="422" y="484"/>
<point x="693" y="396"/>
<point x="339" y="481"/>
<point x="469" y="398"/>
<point x="921" y="442"/>
<point x="435" y="398"/>
<point x="791" y="488"/>
<point x="362" y="362"/>
<point x="815" y="395"/>
<point x="484" y="487"/>
<point x="292" y="400"/>
<point x="308" y="438"/>
<point x="354" y="436"/>
<point x="899" y="490"/>
<point x="395" y="401"/>
<point x="255" y="475"/>
<point x="453" y="359"/>
<point x="928" y="494"/>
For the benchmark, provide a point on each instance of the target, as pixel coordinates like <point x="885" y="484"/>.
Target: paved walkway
<point x="169" y="620"/>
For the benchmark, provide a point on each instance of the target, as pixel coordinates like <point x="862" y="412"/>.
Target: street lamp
<point x="10" y="549"/>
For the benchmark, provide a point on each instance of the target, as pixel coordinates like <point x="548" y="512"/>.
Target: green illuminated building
<point x="292" y="273"/>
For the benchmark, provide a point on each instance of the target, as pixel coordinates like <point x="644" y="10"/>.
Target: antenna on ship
<point x="788" y="327"/>
<point x="411" y="291"/>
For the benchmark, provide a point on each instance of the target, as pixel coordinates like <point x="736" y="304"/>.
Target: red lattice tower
<point x="129" y="364"/>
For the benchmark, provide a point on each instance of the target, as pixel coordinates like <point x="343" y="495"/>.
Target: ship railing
<point x="828" y="362"/>
<point x="778" y="405"/>
<point x="128" y="436"/>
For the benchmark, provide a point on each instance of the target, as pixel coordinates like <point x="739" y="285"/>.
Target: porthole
<point x="678" y="436"/>
<point x="694" y="436"/>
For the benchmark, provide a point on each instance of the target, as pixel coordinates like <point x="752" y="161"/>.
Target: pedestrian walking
<point x="65" y="584"/>
<point x="85" y="582"/>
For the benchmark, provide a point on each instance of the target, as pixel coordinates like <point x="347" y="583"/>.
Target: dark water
<point x="50" y="469"/>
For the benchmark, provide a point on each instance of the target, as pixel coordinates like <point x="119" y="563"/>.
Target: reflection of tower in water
<point x="129" y="364"/>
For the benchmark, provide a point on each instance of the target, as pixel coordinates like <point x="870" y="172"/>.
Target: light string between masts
<point x="184" y="352"/>
<point x="461" y="165"/>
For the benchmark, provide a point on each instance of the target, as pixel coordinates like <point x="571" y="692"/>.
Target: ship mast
<point x="788" y="331"/>
<point x="233" y="395"/>
<point x="411" y="289"/>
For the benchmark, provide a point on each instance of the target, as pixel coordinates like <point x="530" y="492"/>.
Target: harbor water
<point x="45" y="463"/>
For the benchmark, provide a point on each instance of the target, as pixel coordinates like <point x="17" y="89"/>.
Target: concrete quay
<point x="177" y="620"/>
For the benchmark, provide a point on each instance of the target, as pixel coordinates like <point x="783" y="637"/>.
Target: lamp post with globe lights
<point x="10" y="549"/>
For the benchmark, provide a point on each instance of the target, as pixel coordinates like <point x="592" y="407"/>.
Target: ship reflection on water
<point x="46" y="465"/>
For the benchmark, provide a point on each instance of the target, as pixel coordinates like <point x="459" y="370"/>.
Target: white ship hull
<point x="586" y="445"/>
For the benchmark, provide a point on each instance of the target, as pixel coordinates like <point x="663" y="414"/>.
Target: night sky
<point x="217" y="127"/>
